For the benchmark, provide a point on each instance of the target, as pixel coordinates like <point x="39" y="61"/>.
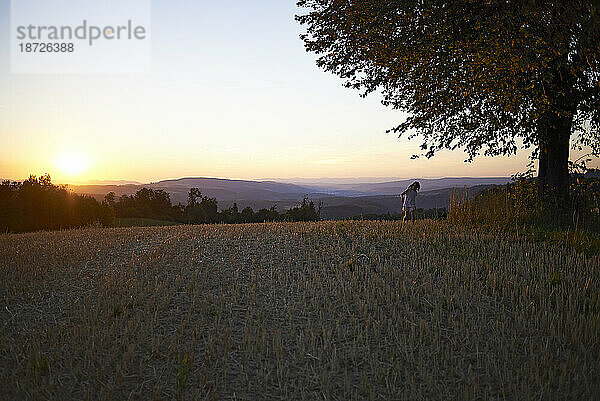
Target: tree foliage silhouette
<point x="483" y="76"/>
<point x="37" y="204"/>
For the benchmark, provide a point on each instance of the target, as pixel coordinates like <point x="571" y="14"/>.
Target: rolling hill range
<point x="338" y="199"/>
<point x="395" y="187"/>
<point x="224" y="190"/>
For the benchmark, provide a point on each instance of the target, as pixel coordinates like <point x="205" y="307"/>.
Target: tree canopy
<point x="37" y="204"/>
<point x="483" y="76"/>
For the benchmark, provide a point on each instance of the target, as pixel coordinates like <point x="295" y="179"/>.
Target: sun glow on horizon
<point x="72" y="163"/>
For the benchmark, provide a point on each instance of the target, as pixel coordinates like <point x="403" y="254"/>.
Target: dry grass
<point x="329" y="310"/>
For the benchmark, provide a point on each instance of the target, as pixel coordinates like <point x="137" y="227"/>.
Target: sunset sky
<point x="232" y="94"/>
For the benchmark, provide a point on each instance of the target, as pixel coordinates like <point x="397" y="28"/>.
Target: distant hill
<point x="113" y="182"/>
<point x="222" y="189"/>
<point x="397" y="187"/>
<point x="339" y="199"/>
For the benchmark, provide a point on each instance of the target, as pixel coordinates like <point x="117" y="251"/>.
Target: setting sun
<point x="72" y="163"/>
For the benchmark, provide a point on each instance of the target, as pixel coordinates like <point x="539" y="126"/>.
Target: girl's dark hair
<point x="416" y="185"/>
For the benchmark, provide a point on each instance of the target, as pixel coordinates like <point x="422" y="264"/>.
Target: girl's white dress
<point x="410" y="199"/>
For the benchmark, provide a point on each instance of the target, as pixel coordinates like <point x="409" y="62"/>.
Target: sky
<point x="231" y="94"/>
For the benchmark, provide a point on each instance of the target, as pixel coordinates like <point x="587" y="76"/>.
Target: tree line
<point x="38" y="204"/>
<point x="201" y="209"/>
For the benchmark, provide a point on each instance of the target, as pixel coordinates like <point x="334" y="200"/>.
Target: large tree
<point x="483" y="76"/>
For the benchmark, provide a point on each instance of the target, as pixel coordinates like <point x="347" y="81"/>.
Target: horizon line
<point x="367" y="179"/>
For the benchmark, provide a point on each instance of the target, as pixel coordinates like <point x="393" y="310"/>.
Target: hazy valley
<point x="340" y="199"/>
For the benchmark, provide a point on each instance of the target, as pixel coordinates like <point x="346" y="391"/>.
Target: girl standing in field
<point x="409" y="200"/>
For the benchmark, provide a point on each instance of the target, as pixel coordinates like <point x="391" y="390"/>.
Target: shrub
<point x="517" y="208"/>
<point x="519" y="204"/>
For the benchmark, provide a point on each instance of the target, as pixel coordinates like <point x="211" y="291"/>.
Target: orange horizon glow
<point x="75" y="166"/>
<point x="84" y="164"/>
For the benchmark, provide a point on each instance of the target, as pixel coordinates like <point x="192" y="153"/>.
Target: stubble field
<point x="328" y="310"/>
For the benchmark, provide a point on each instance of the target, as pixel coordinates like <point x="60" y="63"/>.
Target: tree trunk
<point x="554" y="135"/>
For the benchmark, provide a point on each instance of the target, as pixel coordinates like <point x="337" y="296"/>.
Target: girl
<point x="409" y="200"/>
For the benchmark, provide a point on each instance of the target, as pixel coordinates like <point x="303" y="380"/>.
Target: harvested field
<point x="328" y="310"/>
